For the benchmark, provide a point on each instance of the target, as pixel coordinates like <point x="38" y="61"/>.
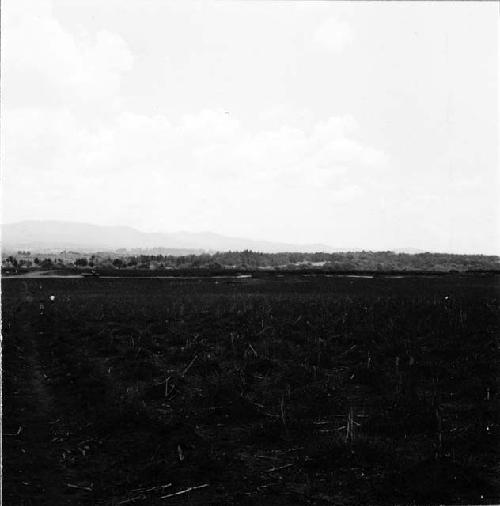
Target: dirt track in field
<point x="35" y="422"/>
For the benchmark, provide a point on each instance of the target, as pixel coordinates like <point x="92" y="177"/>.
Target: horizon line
<point x="334" y="250"/>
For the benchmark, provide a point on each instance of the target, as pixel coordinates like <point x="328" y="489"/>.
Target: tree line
<point x="251" y="260"/>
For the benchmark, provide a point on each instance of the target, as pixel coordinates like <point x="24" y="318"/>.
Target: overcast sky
<point x="364" y="125"/>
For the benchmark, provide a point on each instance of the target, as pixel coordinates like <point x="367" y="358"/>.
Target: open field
<point x="281" y="390"/>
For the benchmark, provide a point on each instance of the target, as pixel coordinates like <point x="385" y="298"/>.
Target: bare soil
<point x="296" y="390"/>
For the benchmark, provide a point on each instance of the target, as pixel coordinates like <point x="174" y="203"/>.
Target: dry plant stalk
<point x="439" y="421"/>
<point x="253" y="349"/>
<point x="350" y="427"/>
<point x="283" y="411"/>
<point x="166" y="386"/>
<point x="189" y="366"/>
<point x="181" y="492"/>
<point x="180" y="452"/>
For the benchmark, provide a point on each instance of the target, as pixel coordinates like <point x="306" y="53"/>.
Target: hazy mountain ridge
<point x="38" y="235"/>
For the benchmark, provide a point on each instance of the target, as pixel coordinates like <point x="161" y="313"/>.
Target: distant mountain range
<point x="51" y="236"/>
<point x="62" y="235"/>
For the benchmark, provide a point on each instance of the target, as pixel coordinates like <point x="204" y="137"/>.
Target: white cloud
<point x="348" y="194"/>
<point x="69" y="69"/>
<point x="203" y="170"/>
<point x="209" y="125"/>
<point x="333" y="35"/>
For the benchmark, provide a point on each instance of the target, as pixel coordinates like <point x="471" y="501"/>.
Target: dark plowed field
<point x="278" y="391"/>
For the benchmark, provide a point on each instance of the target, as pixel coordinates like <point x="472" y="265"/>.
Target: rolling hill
<point x="63" y="235"/>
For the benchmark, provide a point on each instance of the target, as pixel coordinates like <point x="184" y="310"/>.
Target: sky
<point x="359" y="125"/>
